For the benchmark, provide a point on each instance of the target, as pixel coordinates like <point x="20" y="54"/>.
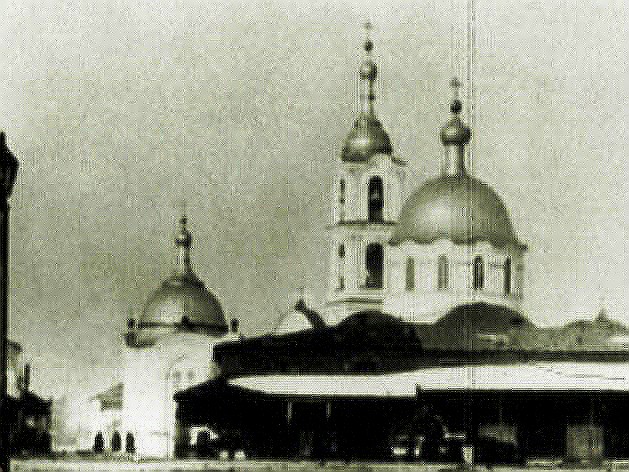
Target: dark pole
<point x="4" y="325"/>
<point x="8" y="172"/>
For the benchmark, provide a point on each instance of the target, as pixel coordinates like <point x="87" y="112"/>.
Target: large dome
<point x="455" y="207"/>
<point x="367" y="138"/>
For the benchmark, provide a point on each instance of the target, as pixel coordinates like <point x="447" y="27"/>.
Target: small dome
<point x="455" y="131"/>
<point x="482" y="318"/>
<point x="367" y="138"/>
<point x="455" y="207"/>
<point x="183" y="238"/>
<point x="182" y="301"/>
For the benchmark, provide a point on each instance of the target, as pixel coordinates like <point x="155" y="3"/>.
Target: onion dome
<point x="455" y="132"/>
<point x="455" y="206"/>
<point x="368" y="70"/>
<point x="368" y="136"/>
<point x="366" y="139"/>
<point x="183" y="301"/>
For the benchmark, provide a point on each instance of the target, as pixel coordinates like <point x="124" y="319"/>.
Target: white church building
<point x="451" y="242"/>
<point x="167" y="350"/>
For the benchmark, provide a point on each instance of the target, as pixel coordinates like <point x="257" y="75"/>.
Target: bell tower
<point x="366" y="201"/>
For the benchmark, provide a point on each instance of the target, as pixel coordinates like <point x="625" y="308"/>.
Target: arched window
<point x="375" y="200"/>
<point x="130" y="443"/>
<point x="507" y="276"/>
<point x="176" y="379"/>
<point x="116" y="442"/>
<point x="479" y="273"/>
<point x="410" y="273"/>
<point x="341" y="269"/>
<point x="342" y="198"/>
<point x="374" y="262"/>
<point x="442" y="273"/>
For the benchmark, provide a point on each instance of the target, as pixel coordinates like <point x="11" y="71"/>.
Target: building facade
<point x="451" y="242"/>
<point x="26" y="415"/>
<point x="423" y="351"/>
<point x="426" y="354"/>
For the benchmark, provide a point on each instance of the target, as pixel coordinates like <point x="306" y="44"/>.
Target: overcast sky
<point x="118" y="109"/>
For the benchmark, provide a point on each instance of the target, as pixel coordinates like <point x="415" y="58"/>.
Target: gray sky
<point x="119" y="109"/>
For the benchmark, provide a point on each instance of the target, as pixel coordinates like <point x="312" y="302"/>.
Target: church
<point x="420" y="351"/>
<point x="169" y="348"/>
<point x="450" y="243"/>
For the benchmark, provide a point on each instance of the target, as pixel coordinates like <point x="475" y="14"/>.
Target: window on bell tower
<point x="341" y="283"/>
<point x="374" y="262"/>
<point x="375" y="196"/>
<point x="410" y="273"/>
<point x="442" y="273"/>
<point x="479" y="273"/>
<point x="342" y="198"/>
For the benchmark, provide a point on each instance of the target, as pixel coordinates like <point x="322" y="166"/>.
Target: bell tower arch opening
<point x="342" y="191"/>
<point x="375" y="202"/>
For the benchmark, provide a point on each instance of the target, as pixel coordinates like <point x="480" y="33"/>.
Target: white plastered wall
<point x="152" y="376"/>
<point x="426" y="302"/>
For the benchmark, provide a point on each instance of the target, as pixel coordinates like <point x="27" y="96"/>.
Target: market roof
<point x="526" y="377"/>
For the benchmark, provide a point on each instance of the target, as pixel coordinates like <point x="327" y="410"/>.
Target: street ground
<point x="72" y="465"/>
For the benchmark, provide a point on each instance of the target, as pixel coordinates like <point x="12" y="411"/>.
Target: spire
<point x="368" y="74"/>
<point x="455" y="135"/>
<point x="368" y="137"/>
<point x="183" y="241"/>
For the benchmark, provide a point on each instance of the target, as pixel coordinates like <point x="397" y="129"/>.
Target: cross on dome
<point x="455" y="83"/>
<point x="456" y="105"/>
<point x="183" y="206"/>
<point x="368" y="42"/>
